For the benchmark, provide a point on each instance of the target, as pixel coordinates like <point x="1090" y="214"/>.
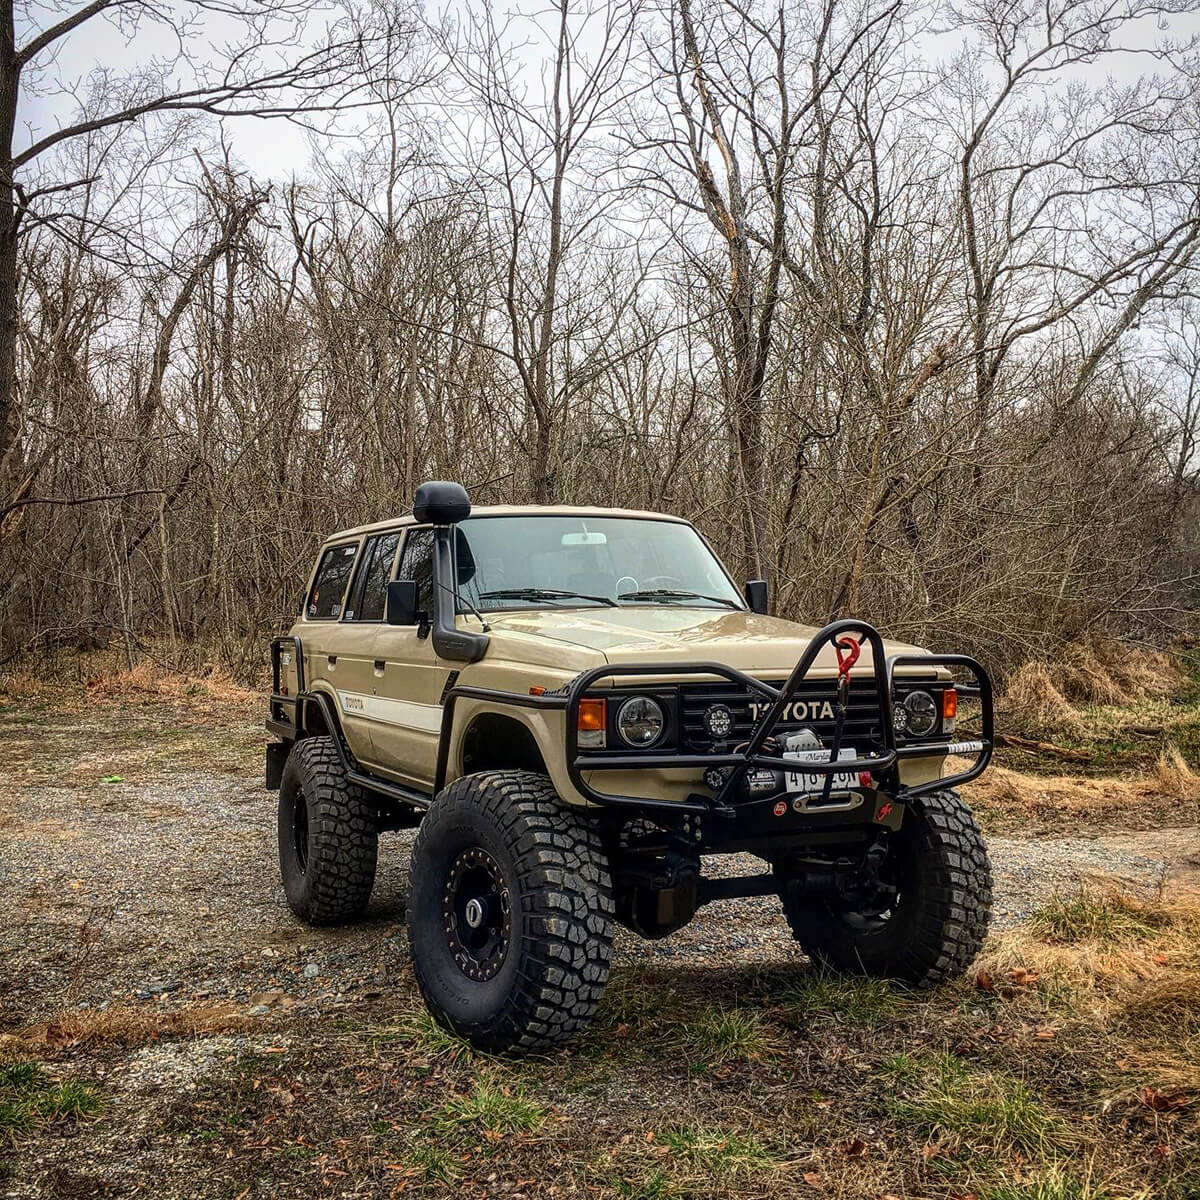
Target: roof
<point x="512" y="510"/>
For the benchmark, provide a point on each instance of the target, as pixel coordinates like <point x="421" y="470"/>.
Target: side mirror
<point x="757" y="599"/>
<point x="402" y="602"/>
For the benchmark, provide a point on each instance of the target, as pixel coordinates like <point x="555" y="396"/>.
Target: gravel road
<point x="168" y="893"/>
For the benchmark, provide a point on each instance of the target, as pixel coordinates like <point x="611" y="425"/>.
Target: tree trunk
<point x="10" y="219"/>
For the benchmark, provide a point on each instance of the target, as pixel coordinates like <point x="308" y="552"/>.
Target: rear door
<point x="356" y="669"/>
<point x="408" y="710"/>
<point x="333" y="647"/>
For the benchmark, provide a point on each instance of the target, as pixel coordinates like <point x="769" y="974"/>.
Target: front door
<point x="410" y="680"/>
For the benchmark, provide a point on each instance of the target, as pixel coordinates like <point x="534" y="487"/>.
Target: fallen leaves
<point x="1016" y="980"/>
<point x="1160" y="1101"/>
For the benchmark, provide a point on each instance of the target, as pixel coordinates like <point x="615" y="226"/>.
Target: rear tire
<point x="510" y="913"/>
<point x="328" y="836"/>
<point x="937" y="923"/>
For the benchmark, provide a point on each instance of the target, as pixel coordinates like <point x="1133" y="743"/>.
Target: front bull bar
<point x="883" y="765"/>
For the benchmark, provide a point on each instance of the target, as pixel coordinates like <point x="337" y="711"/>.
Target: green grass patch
<point x="900" y="1068"/>
<point x="1053" y="1184"/>
<point x="655" y="1186"/>
<point x="636" y="998"/>
<point x="822" y="992"/>
<point x="492" y="1108"/>
<point x="718" y="1151"/>
<point x="721" y="1034"/>
<point x="29" y="1099"/>
<point x="422" y="1034"/>
<point x="430" y="1164"/>
<point x="985" y="1110"/>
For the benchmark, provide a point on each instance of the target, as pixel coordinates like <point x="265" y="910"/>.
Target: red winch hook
<point x="847" y="650"/>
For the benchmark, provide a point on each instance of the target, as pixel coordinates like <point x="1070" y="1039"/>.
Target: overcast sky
<point x="279" y="149"/>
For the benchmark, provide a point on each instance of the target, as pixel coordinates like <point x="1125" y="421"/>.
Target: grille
<point x="862" y="717"/>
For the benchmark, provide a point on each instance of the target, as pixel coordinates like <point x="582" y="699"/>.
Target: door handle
<point x="331" y="659"/>
<point x="379" y="665"/>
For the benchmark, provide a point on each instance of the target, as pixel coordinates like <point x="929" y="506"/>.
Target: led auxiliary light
<point x="718" y="720"/>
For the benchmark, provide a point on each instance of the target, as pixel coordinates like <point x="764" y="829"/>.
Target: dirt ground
<point x="226" y="1050"/>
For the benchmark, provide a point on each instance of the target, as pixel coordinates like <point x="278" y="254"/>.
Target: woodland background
<point x="898" y="304"/>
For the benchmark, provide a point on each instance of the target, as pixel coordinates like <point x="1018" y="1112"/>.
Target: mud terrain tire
<point x="510" y="913"/>
<point x="328" y="836"/>
<point x="938" y="922"/>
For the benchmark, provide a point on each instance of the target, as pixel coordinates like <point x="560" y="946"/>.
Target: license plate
<point x="806" y="784"/>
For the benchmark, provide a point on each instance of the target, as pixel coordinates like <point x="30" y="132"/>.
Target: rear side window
<point x="416" y="563"/>
<point x="329" y="586"/>
<point x="371" y="589"/>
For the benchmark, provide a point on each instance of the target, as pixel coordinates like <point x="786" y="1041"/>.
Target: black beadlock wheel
<point x="510" y="913"/>
<point x="328" y="836"/>
<point x="932" y="927"/>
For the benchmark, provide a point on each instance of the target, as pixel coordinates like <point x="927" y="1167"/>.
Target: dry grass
<point x="1103" y="954"/>
<point x="105" y="679"/>
<point x="1170" y="998"/>
<point x="1033" y="701"/>
<point x="1174" y="775"/>
<point x="1098" y="691"/>
<point x="1102" y="671"/>
<point x="151" y="679"/>
<point x="118" y="1026"/>
<point x="1169" y="796"/>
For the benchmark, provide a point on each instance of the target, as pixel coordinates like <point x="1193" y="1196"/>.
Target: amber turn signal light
<point x="592" y="723"/>
<point x="949" y="704"/>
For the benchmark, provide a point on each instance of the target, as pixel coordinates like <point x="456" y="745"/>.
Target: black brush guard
<point x="883" y="764"/>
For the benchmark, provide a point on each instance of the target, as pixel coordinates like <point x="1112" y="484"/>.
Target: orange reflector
<point x="537" y="690"/>
<point x="593" y="716"/>
<point x="949" y="704"/>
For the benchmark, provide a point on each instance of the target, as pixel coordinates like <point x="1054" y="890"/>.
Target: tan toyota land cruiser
<point x="576" y="705"/>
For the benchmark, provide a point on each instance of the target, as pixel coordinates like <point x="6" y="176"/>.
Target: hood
<point x="668" y="634"/>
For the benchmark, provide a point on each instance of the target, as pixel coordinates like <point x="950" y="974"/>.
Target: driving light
<point x="640" y="721"/>
<point x="592" y="723"/>
<point x="922" y="713"/>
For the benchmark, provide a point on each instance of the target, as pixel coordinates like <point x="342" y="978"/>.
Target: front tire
<point x="933" y="928"/>
<point x="510" y="913"/>
<point x="328" y="836"/>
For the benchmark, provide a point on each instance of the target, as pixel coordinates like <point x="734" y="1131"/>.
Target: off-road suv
<point x="576" y="705"/>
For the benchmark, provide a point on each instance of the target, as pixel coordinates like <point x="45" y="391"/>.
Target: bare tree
<point x="222" y="59"/>
<point x="549" y="197"/>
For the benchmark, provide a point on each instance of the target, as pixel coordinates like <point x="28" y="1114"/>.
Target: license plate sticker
<point x="808" y="783"/>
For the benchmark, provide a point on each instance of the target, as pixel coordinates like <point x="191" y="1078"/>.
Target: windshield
<point x="540" y="562"/>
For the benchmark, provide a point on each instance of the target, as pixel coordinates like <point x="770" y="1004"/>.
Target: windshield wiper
<point x="536" y="593"/>
<point x="671" y="594"/>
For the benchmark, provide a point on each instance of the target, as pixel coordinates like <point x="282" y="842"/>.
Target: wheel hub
<point x="476" y="914"/>
<point x="300" y="834"/>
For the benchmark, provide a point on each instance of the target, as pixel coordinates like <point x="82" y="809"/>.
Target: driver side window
<point x="416" y="563"/>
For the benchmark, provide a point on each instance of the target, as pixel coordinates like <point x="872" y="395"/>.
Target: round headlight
<point x="922" y="713"/>
<point x="640" y="721"/>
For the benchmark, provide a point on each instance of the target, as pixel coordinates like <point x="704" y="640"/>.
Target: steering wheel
<point x="620" y="591"/>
